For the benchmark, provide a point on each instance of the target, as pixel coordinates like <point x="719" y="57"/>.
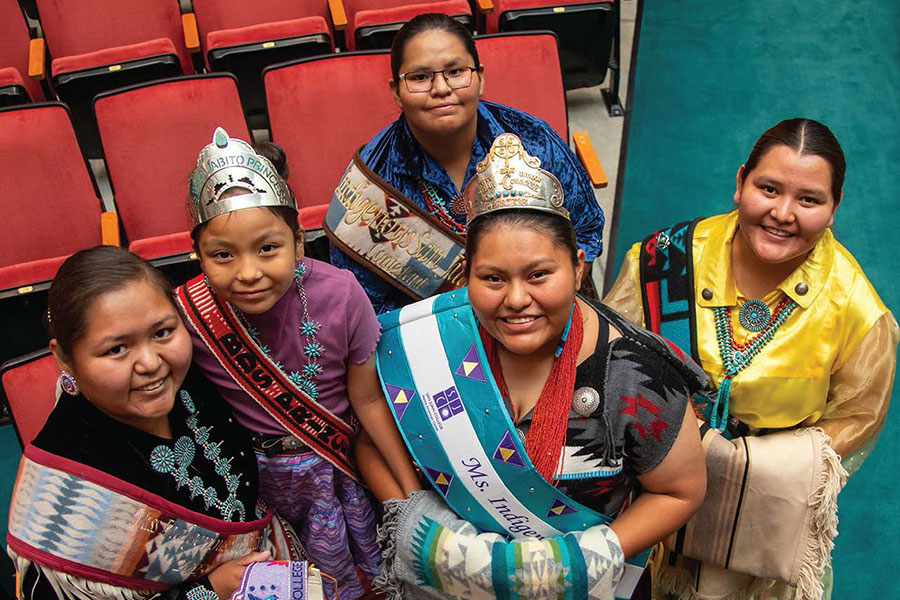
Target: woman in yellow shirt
<point x="784" y="321"/>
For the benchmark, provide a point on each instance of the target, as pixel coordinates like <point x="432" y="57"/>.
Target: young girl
<point x="289" y="342"/>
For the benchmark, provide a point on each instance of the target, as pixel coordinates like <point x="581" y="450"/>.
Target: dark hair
<point x="285" y="213"/>
<point x="276" y="155"/>
<point x="87" y="275"/>
<point x="556" y="227"/>
<point x="428" y="22"/>
<point x="808" y="138"/>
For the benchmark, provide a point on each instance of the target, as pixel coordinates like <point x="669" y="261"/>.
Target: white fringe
<point x="823" y="502"/>
<point x="71" y="587"/>
<point x="679" y="583"/>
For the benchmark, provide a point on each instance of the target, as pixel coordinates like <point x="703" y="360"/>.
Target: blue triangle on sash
<point x="441" y="480"/>
<point x="560" y="508"/>
<point x="471" y="366"/>
<point x="400" y="398"/>
<point x="506" y="452"/>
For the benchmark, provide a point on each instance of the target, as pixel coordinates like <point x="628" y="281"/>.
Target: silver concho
<point x="585" y="401"/>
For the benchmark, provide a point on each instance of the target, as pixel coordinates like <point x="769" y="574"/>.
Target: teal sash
<point x="429" y="359"/>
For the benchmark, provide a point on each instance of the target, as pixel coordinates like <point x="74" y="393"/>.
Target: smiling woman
<point x="425" y="158"/>
<point x="800" y="346"/>
<point x="586" y="442"/>
<point x="140" y="453"/>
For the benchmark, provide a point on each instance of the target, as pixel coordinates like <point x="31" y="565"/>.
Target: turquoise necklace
<point x="737" y="357"/>
<point x="175" y="461"/>
<point x="312" y="349"/>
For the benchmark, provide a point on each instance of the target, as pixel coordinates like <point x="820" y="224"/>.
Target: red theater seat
<point x="29" y="385"/>
<point x="151" y="135"/>
<point x="533" y="85"/>
<point x="244" y="41"/>
<point x="16" y="53"/>
<point x="371" y="24"/>
<point x="321" y="111"/>
<point x="98" y="45"/>
<point x="52" y="207"/>
<point x="12" y="87"/>
<point x="586" y="30"/>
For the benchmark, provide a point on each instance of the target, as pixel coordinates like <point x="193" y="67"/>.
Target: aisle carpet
<point x="712" y="76"/>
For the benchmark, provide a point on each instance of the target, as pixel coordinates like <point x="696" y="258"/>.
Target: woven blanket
<point x="770" y="512"/>
<point x="428" y="552"/>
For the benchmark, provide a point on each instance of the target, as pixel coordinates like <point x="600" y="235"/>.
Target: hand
<point x="227" y="577"/>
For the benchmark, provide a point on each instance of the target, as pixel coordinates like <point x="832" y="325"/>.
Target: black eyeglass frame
<point x="434" y="73"/>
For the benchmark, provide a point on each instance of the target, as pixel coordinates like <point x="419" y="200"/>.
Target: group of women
<point x="521" y="439"/>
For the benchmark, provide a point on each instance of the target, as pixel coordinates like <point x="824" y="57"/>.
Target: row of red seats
<point x="320" y="110"/>
<point x="95" y="45"/>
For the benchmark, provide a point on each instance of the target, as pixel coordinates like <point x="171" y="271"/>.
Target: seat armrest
<point x="485" y="6"/>
<point x="588" y="157"/>
<point x="191" y="35"/>
<point x="36" y="58"/>
<point x="109" y="228"/>
<point x="338" y="16"/>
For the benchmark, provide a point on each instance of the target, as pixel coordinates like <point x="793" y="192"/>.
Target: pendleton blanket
<point x="770" y="512"/>
<point x="79" y="521"/>
<point x="431" y="553"/>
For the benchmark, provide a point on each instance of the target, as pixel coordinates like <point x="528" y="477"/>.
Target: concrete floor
<point x="587" y="112"/>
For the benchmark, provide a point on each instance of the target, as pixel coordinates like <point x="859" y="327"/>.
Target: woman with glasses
<point x="429" y="153"/>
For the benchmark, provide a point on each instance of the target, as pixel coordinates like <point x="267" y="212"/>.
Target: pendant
<point x="585" y="401"/>
<point x="754" y="315"/>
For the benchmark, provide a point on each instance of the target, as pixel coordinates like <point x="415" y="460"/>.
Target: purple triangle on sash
<point x="441" y="480"/>
<point x="506" y="452"/>
<point x="471" y="366"/>
<point x="400" y="398"/>
<point x="559" y="508"/>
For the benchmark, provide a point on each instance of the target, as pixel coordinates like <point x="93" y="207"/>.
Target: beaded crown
<point x="229" y="163"/>
<point x="509" y="177"/>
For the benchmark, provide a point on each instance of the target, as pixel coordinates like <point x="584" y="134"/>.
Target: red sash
<point x="256" y="374"/>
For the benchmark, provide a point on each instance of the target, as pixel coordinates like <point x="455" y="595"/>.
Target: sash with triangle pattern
<point x="391" y="235"/>
<point x="256" y="374"/>
<point x="450" y="413"/>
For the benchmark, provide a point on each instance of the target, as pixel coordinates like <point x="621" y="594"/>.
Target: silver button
<point x="801" y="289"/>
<point x="707" y="294"/>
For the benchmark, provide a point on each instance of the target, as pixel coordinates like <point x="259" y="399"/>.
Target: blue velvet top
<point x="396" y="156"/>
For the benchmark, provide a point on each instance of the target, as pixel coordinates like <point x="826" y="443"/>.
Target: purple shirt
<point x="349" y="333"/>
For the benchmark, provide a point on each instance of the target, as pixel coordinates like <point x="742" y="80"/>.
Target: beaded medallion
<point x="737" y="357"/>
<point x="754" y="315"/>
<point x="176" y="460"/>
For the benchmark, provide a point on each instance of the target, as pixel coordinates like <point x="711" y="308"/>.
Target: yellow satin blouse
<point x="831" y="363"/>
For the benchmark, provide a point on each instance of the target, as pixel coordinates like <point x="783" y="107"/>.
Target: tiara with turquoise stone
<point x="227" y="164"/>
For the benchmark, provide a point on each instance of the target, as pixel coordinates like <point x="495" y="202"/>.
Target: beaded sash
<point x="392" y="236"/>
<point x="256" y="374"/>
<point x="81" y="521"/>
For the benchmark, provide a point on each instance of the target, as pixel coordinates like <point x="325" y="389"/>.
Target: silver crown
<point x="509" y="177"/>
<point x="229" y="163"/>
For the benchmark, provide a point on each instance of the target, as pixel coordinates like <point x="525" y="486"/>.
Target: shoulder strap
<point x="261" y="379"/>
<point x="667" y="284"/>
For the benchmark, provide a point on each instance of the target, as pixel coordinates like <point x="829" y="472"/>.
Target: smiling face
<point x="441" y="111"/>
<point x="249" y="257"/>
<point x="132" y="357"/>
<point x="784" y="205"/>
<point x="521" y="287"/>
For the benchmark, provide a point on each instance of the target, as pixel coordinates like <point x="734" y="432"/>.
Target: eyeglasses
<point x="418" y="82"/>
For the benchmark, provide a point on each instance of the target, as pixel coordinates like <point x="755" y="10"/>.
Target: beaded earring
<point x="68" y="384"/>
